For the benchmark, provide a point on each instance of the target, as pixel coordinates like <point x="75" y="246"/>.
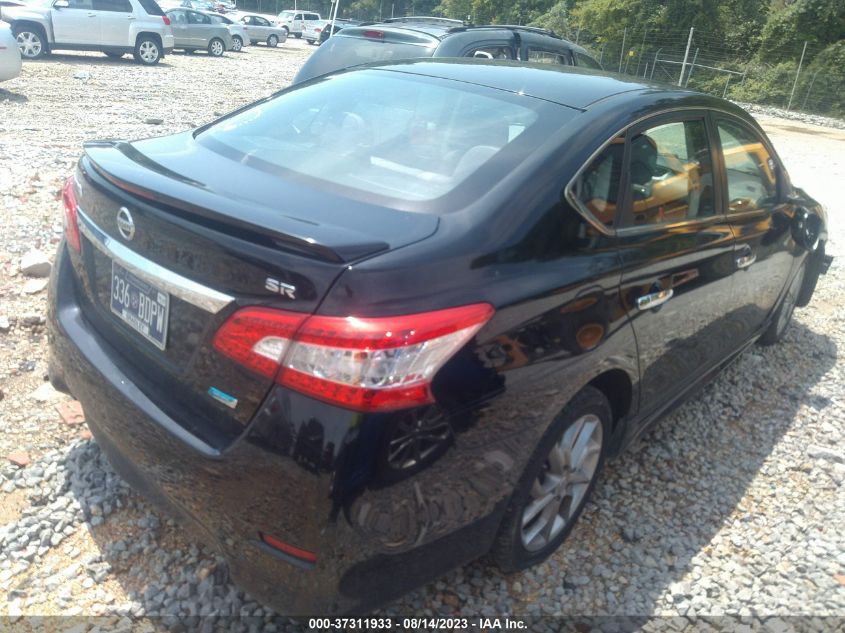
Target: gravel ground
<point x="732" y="505"/>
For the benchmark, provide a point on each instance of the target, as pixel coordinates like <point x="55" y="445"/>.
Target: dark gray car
<point x="193" y="31"/>
<point x="415" y="37"/>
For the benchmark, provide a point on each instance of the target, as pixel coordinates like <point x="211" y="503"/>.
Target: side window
<point x="195" y="18"/>
<point x="539" y="56"/>
<point x="749" y="168"/>
<point x="81" y="4"/>
<point x="311" y="16"/>
<point x="669" y="173"/>
<point x="178" y="17"/>
<point x="598" y="187"/>
<point x="121" y="6"/>
<point x="492" y="52"/>
<point x="586" y="61"/>
<point x="261" y="22"/>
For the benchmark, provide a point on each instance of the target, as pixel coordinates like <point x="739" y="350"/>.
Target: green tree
<point x="820" y="22"/>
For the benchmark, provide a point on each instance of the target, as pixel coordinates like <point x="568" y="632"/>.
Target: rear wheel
<point x="783" y="316"/>
<point x="556" y="483"/>
<point x="237" y="43"/>
<point x="311" y="42"/>
<point x="216" y="47"/>
<point x="297" y="35"/>
<point x="147" y="51"/>
<point x="31" y="41"/>
<point x="273" y="41"/>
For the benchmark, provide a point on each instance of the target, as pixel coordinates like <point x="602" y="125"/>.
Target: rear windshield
<point x="387" y="135"/>
<point x="346" y="50"/>
<point x="151" y="7"/>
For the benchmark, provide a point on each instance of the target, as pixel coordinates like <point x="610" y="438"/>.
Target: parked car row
<point x="137" y="27"/>
<point x="415" y="37"/>
<point x="318" y="31"/>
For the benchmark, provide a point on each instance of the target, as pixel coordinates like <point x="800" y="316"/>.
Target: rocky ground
<point x="732" y="505"/>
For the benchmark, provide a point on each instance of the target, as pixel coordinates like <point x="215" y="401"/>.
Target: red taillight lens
<point x="376" y="35"/>
<point x="71" y="218"/>
<point x="166" y="20"/>
<point x="258" y="338"/>
<point x="318" y="30"/>
<point x="366" y="364"/>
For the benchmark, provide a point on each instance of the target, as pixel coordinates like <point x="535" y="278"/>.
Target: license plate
<point x="141" y="305"/>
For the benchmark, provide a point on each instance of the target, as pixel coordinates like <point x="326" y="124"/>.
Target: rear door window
<point x="541" y="56"/>
<point x="586" y="61"/>
<point x="198" y="18"/>
<point x="503" y="51"/>
<point x="669" y="173"/>
<point x="81" y="4"/>
<point x="120" y="6"/>
<point x="151" y="7"/>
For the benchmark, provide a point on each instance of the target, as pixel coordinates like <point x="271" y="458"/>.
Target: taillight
<point x="366" y="364"/>
<point x="71" y="218"/>
<point x="317" y="30"/>
<point x="166" y="20"/>
<point x="376" y="35"/>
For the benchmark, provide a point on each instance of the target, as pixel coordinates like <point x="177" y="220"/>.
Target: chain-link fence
<point x="797" y="78"/>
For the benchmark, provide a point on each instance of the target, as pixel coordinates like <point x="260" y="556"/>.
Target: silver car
<point x="193" y="31"/>
<point x="260" y="29"/>
<point x="237" y="30"/>
<point x="10" y="54"/>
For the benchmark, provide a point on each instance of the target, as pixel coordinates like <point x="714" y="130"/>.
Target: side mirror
<point x="806" y="228"/>
<point x="61" y="4"/>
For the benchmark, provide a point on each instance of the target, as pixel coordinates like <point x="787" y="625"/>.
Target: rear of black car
<point x="308" y="446"/>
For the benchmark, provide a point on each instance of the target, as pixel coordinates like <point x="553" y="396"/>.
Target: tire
<point x="237" y="43"/>
<point x="297" y="35"/>
<point x="31" y="41"/>
<point x="783" y="316"/>
<point x="147" y="51"/>
<point x="311" y="42"/>
<point x="216" y="47"/>
<point x="112" y="55"/>
<point x="523" y="542"/>
<point x="273" y="41"/>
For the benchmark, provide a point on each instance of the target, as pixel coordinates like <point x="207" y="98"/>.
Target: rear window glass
<point x="151" y="7"/>
<point x="382" y="133"/>
<point x="344" y="51"/>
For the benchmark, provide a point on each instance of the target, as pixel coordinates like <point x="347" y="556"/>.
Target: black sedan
<point x="382" y="323"/>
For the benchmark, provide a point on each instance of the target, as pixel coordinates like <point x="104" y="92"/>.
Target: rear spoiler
<point x="124" y="167"/>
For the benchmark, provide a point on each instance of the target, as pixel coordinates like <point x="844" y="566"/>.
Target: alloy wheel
<point x="217" y="48"/>
<point x="148" y="51"/>
<point x="237" y="44"/>
<point x="29" y="43"/>
<point x="562" y="483"/>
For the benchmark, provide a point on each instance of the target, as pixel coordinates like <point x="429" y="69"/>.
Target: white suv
<point x="294" y="21"/>
<point x="115" y="27"/>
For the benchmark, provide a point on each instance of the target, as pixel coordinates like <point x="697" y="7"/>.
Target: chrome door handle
<point x="131" y="17"/>
<point x="647" y="302"/>
<point x="92" y="15"/>
<point x="744" y="261"/>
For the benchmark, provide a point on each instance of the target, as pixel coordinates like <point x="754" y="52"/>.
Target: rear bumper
<point x="298" y="474"/>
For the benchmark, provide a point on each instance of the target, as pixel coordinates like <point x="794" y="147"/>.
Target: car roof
<point x="565" y="85"/>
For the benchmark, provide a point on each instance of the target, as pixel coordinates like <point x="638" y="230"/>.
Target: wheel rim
<point x="148" y="51"/>
<point x="789" y="301"/>
<point x="560" y="487"/>
<point x="29" y="44"/>
<point x="237" y="44"/>
<point x="416" y="440"/>
<point x="217" y="48"/>
<point x="273" y="40"/>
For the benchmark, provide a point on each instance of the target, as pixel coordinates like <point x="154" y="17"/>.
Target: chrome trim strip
<point x="196" y="294"/>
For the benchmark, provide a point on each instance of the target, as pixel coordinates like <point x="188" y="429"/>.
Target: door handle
<point x="647" y="302"/>
<point x="92" y="15"/>
<point x="744" y="261"/>
<point x="131" y="17"/>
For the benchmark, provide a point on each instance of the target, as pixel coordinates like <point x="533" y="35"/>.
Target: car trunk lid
<point x="205" y="239"/>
